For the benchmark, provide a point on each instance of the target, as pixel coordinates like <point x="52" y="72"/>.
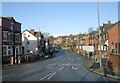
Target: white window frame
<point x="17" y="50"/>
<point x="5" y="34"/>
<point x="6" y="50"/>
<point x="9" y="50"/>
<point x="11" y="26"/>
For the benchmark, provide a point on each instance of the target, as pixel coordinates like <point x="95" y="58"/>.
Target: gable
<point x="28" y="35"/>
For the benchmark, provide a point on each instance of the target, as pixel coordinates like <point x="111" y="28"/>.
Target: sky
<point x="60" y="18"/>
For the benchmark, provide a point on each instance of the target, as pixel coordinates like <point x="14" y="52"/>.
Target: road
<point x="65" y="66"/>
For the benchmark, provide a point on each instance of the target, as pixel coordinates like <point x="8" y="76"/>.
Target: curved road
<point x="65" y="66"/>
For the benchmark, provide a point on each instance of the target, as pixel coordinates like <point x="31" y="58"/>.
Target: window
<point x="11" y="27"/>
<point x="103" y="29"/>
<point x="28" y="35"/>
<point x="28" y="42"/>
<point x="20" y="49"/>
<point x="118" y="48"/>
<point x="9" y="50"/>
<point x="4" y="35"/>
<point x="24" y="34"/>
<point x="16" y="50"/>
<point x="28" y="51"/>
<point x="105" y="48"/>
<point x="4" y="50"/>
<point x="103" y="37"/>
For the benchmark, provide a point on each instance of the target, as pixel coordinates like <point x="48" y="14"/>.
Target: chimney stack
<point x="32" y="31"/>
<point x="109" y="22"/>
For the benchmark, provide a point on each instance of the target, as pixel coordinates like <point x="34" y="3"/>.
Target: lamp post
<point x="99" y="33"/>
<point x="78" y="44"/>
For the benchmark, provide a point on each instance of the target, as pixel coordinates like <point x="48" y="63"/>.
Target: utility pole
<point x="99" y="33"/>
<point x="78" y="44"/>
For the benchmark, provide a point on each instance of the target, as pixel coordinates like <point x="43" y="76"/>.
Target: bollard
<point x="11" y="61"/>
<point x="19" y="62"/>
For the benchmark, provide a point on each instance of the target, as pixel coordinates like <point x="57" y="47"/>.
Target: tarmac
<point x="89" y="64"/>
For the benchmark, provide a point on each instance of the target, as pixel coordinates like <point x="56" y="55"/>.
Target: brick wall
<point x="113" y="36"/>
<point x="6" y="24"/>
<point x="86" y="40"/>
<point x="115" y="59"/>
<point x="0" y="21"/>
<point x="0" y="41"/>
<point x="17" y="27"/>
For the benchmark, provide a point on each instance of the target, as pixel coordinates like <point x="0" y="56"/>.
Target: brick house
<point x="114" y="46"/>
<point x="104" y="38"/>
<point x="82" y="43"/>
<point x="1" y="40"/>
<point x="58" y="40"/>
<point x="11" y="39"/>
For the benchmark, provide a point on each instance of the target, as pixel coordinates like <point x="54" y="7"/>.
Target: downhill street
<point x="65" y="66"/>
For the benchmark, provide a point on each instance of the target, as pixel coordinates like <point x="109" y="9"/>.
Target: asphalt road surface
<point x="65" y="66"/>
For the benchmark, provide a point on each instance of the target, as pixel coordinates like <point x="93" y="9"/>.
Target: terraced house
<point x="11" y="39"/>
<point x="114" y="46"/>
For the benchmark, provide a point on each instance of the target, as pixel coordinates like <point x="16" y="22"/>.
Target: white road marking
<point x="71" y="61"/>
<point x="7" y="75"/>
<point x="48" y="67"/>
<point x="52" y="75"/>
<point x="46" y="76"/>
<point x="75" y="68"/>
<point x="61" y="68"/>
<point x="72" y="67"/>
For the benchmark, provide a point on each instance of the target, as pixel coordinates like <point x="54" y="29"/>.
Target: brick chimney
<point x="32" y="31"/>
<point x="109" y="22"/>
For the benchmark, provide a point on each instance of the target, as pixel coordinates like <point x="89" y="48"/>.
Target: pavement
<point x="97" y="69"/>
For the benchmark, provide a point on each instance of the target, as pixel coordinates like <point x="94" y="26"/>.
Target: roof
<point x="114" y="24"/>
<point x="107" y="26"/>
<point x="36" y="33"/>
<point x="28" y="31"/>
<point x="11" y="18"/>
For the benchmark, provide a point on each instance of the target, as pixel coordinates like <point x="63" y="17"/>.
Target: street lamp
<point x="78" y="44"/>
<point x="99" y="33"/>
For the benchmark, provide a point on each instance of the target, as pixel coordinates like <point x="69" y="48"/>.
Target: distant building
<point x="58" y="40"/>
<point x="11" y="38"/>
